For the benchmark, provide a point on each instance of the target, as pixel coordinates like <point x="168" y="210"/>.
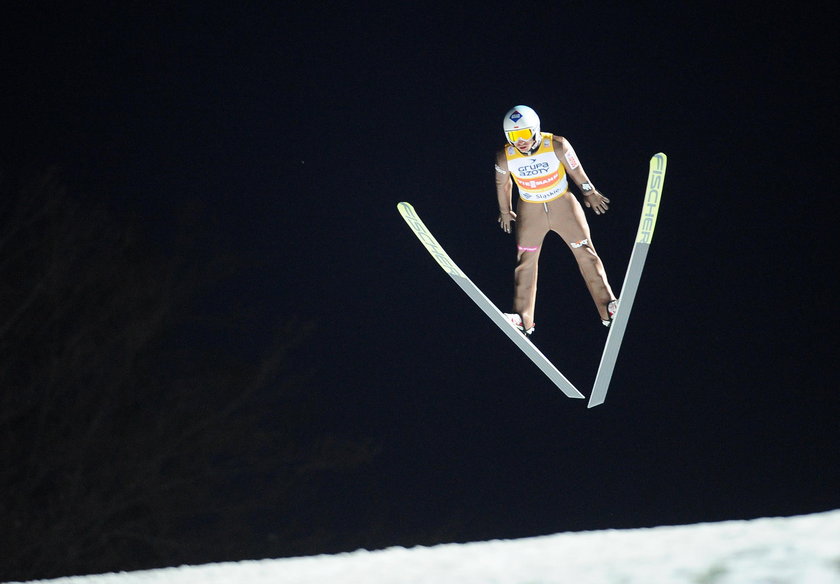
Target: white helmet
<point x="521" y="123"/>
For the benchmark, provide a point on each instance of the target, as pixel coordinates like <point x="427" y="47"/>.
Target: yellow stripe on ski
<point x="421" y="231"/>
<point x="656" y="178"/>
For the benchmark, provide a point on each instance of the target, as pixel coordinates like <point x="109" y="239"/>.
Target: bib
<point x="539" y="177"/>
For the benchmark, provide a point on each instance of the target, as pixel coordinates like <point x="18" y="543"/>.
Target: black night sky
<point x="285" y="136"/>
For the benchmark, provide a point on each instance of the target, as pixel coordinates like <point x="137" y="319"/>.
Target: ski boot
<point x="516" y="321"/>
<point x="612" y="308"/>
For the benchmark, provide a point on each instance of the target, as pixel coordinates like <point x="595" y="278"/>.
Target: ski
<point x="427" y="239"/>
<point x="650" y="209"/>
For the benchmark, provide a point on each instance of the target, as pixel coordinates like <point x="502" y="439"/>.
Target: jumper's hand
<point x="506" y="220"/>
<point x="597" y="202"/>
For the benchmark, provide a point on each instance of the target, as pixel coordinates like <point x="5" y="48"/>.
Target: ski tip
<point x="406" y="210"/>
<point x="661" y="160"/>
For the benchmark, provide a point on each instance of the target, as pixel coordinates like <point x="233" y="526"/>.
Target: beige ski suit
<point x="541" y="173"/>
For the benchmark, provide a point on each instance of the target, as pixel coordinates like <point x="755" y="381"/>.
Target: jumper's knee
<point x="588" y="260"/>
<point x="527" y="255"/>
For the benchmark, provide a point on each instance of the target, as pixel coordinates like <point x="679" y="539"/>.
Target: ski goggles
<point x="515" y="136"/>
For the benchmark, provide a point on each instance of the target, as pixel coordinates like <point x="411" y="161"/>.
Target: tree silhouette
<point x="131" y="435"/>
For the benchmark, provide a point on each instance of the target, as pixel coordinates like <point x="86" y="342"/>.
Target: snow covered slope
<point x="794" y="550"/>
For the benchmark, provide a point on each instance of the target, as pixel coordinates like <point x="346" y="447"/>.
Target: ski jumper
<point x="546" y="205"/>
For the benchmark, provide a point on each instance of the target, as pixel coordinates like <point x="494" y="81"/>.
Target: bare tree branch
<point x="121" y="445"/>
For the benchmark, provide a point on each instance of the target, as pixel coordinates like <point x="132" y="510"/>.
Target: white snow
<point x="793" y="550"/>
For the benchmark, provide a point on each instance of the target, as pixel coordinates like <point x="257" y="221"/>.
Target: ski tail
<point x="644" y="236"/>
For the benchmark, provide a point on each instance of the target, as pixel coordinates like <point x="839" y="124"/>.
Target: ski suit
<point x="545" y="204"/>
